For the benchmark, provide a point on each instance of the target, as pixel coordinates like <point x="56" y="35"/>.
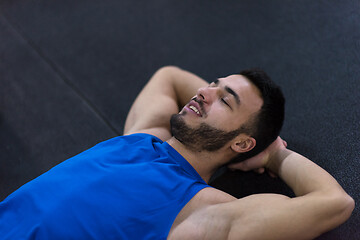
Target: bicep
<point x="274" y="216"/>
<point x="260" y="216"/>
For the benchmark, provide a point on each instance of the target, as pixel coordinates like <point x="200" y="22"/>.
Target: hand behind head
<point x="259" y="162"/>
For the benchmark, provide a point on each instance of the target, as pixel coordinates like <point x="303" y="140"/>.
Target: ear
<point x="243" y="144"/>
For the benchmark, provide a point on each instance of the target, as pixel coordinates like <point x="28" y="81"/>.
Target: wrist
<point x="276" y="159"/>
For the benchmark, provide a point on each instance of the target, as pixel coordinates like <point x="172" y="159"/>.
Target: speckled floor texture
<point x="69" y="71"/>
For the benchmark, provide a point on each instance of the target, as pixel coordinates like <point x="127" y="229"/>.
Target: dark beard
<point x="202" y="138"/>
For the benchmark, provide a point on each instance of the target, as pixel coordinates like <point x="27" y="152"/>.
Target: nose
<point x="207" y="94"/>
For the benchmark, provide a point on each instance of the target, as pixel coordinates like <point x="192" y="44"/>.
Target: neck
<point x="204" y="162"/>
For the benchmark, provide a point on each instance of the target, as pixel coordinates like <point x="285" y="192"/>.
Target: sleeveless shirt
<point x="128" y="187"/>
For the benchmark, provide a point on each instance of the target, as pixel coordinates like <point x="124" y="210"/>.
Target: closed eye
<point x="223" y="101"/>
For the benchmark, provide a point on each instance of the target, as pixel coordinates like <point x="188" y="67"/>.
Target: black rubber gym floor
<point x="69" y="71"/>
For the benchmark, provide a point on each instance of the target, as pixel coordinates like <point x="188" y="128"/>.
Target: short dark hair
<point x="266" y="125"/>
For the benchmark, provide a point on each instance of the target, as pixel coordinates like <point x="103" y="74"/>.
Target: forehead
<point x="249" y="94"/>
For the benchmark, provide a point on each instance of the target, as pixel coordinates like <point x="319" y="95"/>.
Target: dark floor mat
<point x="69" y="72"/>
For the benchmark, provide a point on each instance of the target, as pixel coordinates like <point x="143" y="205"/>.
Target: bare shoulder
<point x="190" y="222"/>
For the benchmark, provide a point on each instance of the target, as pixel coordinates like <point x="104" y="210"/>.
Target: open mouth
<point x="195" y="110"/>
<point x="196" y="107"/>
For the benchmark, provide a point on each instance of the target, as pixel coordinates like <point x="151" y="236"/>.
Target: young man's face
<point x="216" y="113"/>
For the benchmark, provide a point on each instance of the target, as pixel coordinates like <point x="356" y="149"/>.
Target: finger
<point x="260" y="170"/>
<point x="273" y="175"/>
<point x="247" y="165"/>
<point x="236" y="166"/>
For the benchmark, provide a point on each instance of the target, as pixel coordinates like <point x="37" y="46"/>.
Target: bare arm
<point x="169" y="89"/>
<point x="321" y="204"/>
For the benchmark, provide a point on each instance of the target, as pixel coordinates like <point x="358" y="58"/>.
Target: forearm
<point x="321" y="201"/>
<point x="326" y="198"/>
<point x="301" y="174"/>
<point x="184" y="83"/>
<point x="168" y="90"/>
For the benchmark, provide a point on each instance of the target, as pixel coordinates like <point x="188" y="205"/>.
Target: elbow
<point x="339" y="207"/>
<point x="343" y="206"/>
<point x="168" y="69"/>
<point x="348" y="204"/>
<point x="165" y="74"/>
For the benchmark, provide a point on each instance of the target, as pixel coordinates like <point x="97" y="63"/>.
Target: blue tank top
<point x="128" y="187"/>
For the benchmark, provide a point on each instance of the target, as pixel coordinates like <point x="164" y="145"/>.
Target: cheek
<point x="226" y="119"/>
<point x="218" y="109"/>
<point x="222" y="119"/>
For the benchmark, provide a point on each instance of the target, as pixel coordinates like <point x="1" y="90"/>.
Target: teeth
<point x="194" y="109"/>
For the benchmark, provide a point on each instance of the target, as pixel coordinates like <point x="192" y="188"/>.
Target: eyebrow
<point x="229" y="90"/>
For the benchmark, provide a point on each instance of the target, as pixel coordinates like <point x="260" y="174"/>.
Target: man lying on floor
<point x="152" y="183"/>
